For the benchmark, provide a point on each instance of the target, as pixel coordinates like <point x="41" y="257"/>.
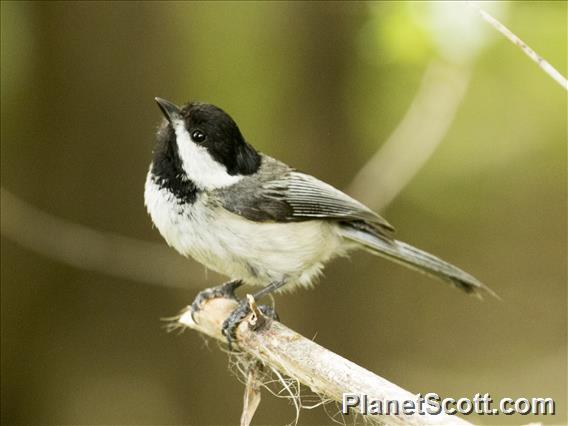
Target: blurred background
<point x="422" y="110"/>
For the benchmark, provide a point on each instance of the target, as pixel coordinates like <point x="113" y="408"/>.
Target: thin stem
<point x="540" y="61"/>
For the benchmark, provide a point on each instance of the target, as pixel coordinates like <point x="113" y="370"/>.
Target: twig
<point x="416" y="137"/>
<point x="91" y="249"/>
<point x="279" y="348"/>
<point x="251" y="399"/>
<point x="540" y="61"/>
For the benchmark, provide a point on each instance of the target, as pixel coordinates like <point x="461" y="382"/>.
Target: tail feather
<point x="417" y="259"/>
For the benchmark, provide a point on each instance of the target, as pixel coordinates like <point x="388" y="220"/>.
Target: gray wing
<point x="279" y="193"/>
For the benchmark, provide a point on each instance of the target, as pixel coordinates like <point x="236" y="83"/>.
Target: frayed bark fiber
<point x="284" y="351"/>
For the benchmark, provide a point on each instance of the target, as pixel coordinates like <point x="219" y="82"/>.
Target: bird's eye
<point x="198" y="136"/>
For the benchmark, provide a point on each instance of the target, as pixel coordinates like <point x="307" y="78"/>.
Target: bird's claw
<point x="226" y="290"/>
<point x="230" y="325"/>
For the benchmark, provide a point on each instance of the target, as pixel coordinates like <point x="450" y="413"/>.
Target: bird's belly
<point x="258" y="252"/>
<point x="267" y="252"/>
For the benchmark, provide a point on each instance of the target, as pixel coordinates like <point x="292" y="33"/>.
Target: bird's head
<point x="206" y="143"/>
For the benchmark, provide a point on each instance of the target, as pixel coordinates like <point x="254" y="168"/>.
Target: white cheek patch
<point x="200" y="167"/>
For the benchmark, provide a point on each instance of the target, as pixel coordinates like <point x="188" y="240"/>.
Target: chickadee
<point x="252" y="218"/>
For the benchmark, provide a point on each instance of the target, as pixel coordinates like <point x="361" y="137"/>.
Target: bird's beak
<point x="171" y="111"/>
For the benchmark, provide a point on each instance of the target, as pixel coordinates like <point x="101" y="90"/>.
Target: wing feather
<point x="311" y="198"/>
<point x="281" y="194"/>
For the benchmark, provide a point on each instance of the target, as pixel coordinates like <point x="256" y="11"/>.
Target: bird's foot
<point x="244" y="308"/>
<point x="226" y="290"/>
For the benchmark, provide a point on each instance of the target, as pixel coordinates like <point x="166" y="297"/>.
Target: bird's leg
<point x="243" y="309"/>
<point x="226" y="290"/>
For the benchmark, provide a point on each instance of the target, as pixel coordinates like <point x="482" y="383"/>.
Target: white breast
<point x="259" y="253"/>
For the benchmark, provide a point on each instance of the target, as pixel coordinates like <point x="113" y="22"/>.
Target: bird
<point x="215" y="198"/>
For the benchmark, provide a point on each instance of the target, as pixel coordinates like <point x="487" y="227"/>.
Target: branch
<point x="92" y="249"/>
<point x="284" y="351"/>
<point x="416" y="137"/>
<point x="539" y="60"/>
